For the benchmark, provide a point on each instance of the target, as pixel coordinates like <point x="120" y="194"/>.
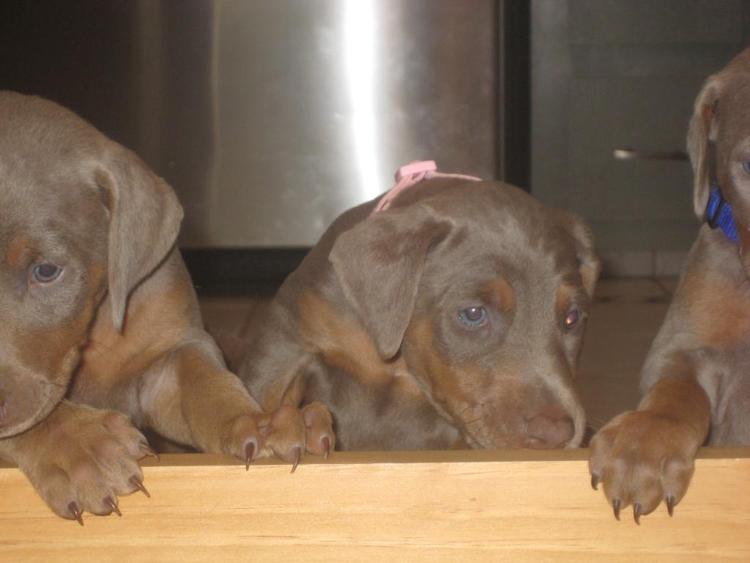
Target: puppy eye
<point x="473" y="317"/>
<point x="746" y="166"/>
<point x="572" y="319"/>
<point x="46" y="272"/>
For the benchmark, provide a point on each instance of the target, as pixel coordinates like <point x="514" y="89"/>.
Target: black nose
<point x="549" y="430"/>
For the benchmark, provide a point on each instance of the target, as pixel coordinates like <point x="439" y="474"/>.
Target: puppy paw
<point x="319" y="436"/>
<point x="289" y="432"/>
<point x="641" y="459"/>
<point x="84" y="461"/>
<point x="243" y="439"/>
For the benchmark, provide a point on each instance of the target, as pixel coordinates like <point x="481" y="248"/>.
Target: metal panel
<point x="270" y="118"/>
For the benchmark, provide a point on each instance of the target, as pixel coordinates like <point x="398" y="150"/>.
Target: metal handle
<point x="626" y="153"/>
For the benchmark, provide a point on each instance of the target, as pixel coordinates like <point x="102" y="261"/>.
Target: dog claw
<point x="326" y="446"/>
<point x="75" y="512"/>
<point x="249" y="452"/>
<point x="109" y="501"/>
<point x="297" y="456"/>
<point x="670" y="504"/>
<point x="616" y="508"/>
<point x="637" y="513"/>
<point x="149" y="452"/>
<point x="138" y="485"/>
<point x="594" y="482"/>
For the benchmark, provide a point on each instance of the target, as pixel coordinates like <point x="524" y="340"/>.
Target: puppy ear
<point x="589" y="264"/>
<point x="701" y="130"/>
<point x="144" y="219"/>
<point x="379" y="264"/>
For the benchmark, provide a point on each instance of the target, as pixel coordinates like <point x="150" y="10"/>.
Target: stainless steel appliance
<point x="270" y="117"/>
<point x="309" y="106"/>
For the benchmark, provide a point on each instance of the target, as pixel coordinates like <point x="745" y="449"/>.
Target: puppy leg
<point x="190" y="397"/>
<point x="80" y="459"/>
<point x="645" y="456"/>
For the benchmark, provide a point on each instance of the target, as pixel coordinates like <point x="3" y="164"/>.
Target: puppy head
<point x="484" y="294"/>
<point x="721" y="123"/>
<point x="79" y="215"/>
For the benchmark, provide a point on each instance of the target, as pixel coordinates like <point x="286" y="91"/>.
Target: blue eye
<point x="746" y="166"/>
<point x="46" y="272"/>
<point x="473" y="317"/>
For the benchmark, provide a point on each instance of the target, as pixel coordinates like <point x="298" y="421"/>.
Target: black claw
<point x="326" y="442"/>
<point x="616" y="508"/>
<point x="670" y="504"/>
<point x="138" y="485"/>
<point x="594" y="481"/>
<point x="637" y="513"/>
<point x="249" y="452"/>
<point x="297" y="456"/>
<point x="75" y="512"/>
<point x="109" y="501"/>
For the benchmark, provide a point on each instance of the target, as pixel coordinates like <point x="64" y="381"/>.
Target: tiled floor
<point x="626" y="316"/>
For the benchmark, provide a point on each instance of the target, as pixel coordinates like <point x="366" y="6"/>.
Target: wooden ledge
<point x="441" y="506"/>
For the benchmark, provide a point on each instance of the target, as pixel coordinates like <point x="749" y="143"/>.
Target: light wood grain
<point x="441" y="506"/>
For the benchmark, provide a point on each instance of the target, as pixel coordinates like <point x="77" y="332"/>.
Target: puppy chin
<point x="15" y="426"/>
<point x="15" y="421"/>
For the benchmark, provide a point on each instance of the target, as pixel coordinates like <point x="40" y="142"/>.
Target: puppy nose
<point x="545" y="431"/>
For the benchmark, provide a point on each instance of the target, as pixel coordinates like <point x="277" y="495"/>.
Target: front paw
<point x="290" y="431"/>
<point x="642" y="458"/>
<point x="83" y="461"/>
<point x="242" y="438"/>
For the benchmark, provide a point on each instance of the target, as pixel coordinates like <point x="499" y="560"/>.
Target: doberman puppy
<point x="98" y="318"/>
<point x="695" y="380"/>
<point x="450" y="317"/>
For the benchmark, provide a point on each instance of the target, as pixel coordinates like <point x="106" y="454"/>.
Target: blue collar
<point x="719" y="214"/>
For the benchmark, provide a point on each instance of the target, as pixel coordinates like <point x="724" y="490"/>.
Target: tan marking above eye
<point x="499" y="293"/>
<point x="564" y="298"/>
<point x="19" y="250"/>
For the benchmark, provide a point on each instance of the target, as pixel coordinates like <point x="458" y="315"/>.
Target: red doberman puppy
<point x="446" y="315"/>
<point x="98" y="318"/>
<point x="695" y="380"/>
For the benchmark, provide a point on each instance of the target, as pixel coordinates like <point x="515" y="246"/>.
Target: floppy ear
<point x="701" y="130"/>
<point x="379" y="264"/>
<point x="144" y="219"/>
<point x="589" y="264"/>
